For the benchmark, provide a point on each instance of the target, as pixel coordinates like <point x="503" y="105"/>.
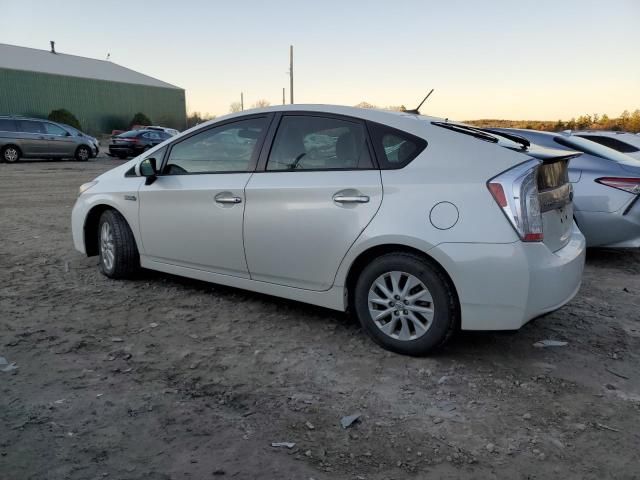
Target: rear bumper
<point x="116" y="150"/>
<point x="619" y="229"/>
<point x="503" y="286"/>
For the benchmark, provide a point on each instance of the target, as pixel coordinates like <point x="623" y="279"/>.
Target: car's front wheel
<point x="119" y="256"/>
<point x="83" y="153"/>
<point x="405" y="303"/>
<point x="10" y="154"/>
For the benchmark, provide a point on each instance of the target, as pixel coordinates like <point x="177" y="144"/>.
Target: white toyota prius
<point x="418" y="225"/>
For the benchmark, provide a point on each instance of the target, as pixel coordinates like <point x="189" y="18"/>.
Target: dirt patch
<point x="168" y="378"/>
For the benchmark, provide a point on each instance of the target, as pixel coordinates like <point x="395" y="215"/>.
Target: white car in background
<point x="418" y="225"/>
<point x="171" y="131"/>
<point x="623" y="142"/>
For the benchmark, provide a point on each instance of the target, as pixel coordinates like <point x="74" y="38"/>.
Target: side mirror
<point x="147" y="168"/>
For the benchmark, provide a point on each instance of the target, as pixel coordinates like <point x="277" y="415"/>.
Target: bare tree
<point x="196" y="118"/>
<point x="365" y="105"/>
<point x="235" y="107"/>
<point x="261" y="103"/>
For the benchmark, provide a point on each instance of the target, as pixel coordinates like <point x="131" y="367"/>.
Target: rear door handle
<point x="339" y="198"/>
<point x="226" y="198"/>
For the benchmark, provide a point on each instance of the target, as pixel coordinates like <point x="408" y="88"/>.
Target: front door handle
<point x="226" y="198"/>
<point x="339" y="198"/>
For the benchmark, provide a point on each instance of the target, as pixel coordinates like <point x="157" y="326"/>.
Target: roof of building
<point x="43" y="61"/>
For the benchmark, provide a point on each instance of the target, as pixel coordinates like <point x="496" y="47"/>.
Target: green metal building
<point x="101" y="94"/>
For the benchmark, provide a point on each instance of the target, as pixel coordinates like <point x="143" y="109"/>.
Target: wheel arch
<point x="91" y="224"/>
<point x="373" y="252"/>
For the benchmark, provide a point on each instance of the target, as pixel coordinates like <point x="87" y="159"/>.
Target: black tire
<point x="126" y="259"/>
<point x="83" y="153"/>
<point x="122" y="157"/>
<point x="11" y="154"/>
<point x="445" y="314"/>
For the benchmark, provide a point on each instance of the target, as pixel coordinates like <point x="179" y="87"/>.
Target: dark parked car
<point x="22" y="137"/>
<point x="134" y="142"/>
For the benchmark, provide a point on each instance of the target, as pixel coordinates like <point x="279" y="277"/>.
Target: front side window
<point x="319" y="143"/>
<point x="395" y="148"/>
<point x="29" y="126"/>
<point x="54" y="129"/>
<point x="227" y="148"/>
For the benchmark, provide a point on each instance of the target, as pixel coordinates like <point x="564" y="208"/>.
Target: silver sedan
<point x="606" y="187"/>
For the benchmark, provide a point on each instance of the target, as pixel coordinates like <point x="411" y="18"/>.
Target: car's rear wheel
<point x="10" y="154"/>
<point x="119" y="256"/>
<point x="122" y="156"/>
<point x="83" y="153"/>
<point x="405" y="303"/>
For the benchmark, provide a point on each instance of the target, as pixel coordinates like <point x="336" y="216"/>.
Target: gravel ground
<point x="168" y="378"/>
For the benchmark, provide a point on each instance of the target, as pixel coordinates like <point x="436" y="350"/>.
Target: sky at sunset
<point x="541" y="60"/>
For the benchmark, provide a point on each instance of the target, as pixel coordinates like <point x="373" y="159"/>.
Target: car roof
<point x="21" y="117"/>
<point x="409" y="122"/>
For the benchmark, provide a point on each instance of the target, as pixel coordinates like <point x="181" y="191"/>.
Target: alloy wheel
<point x="83" y="154"/>
<point x="11" y="154"/>
<point x="400" y="305"/>
<point x="107" y="247"/>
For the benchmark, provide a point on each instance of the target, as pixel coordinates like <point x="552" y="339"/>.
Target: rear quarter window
<point x="394" y="148"/>
<point x="7" y="125"/>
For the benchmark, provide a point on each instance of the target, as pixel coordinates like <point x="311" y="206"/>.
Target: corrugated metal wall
<point x="99" y="105"/>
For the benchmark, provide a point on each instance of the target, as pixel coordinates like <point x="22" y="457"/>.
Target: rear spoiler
<point x="547" y="155"/>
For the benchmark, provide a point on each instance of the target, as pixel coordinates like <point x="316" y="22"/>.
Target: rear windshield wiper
<point x="511" y="136"/>
<point x="474" y="132"/>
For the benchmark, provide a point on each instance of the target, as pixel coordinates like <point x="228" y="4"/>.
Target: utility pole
<point x="291" y="72"/>
<point x="283" y="97"/>
<point x="241" y="101"/>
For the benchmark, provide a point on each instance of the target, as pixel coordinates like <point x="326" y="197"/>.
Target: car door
<point x="60" y="143"/>
<point x="316" y="194"/>
<point x="192" y="214"/>
<point x="33" y="140"/>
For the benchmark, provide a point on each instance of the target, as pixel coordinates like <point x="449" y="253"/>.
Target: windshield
<point x="593" y="148"/>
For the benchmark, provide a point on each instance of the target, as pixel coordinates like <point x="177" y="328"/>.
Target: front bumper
<point x="78" y="216"/>
<point x="619" y="229"/>
<point x="503" y="286"/>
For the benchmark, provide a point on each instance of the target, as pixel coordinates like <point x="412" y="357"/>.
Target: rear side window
<point x="319" y="143"/>
<point x="394" y="148"/>
<point x="7" y="125"/>
<point x="29" y="126"/>
<point x="614" y="143"/>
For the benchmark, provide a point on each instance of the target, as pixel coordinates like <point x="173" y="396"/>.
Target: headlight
<point x="86" y="186"/>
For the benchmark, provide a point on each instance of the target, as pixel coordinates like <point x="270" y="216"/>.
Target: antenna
<point x="417" y="109"/>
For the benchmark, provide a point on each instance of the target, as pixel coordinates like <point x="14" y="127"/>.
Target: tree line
<point x="626" y="122"/>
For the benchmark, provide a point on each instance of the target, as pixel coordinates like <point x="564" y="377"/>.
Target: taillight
<point x="516" y="192"/>
<point x="631" y="185"/>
